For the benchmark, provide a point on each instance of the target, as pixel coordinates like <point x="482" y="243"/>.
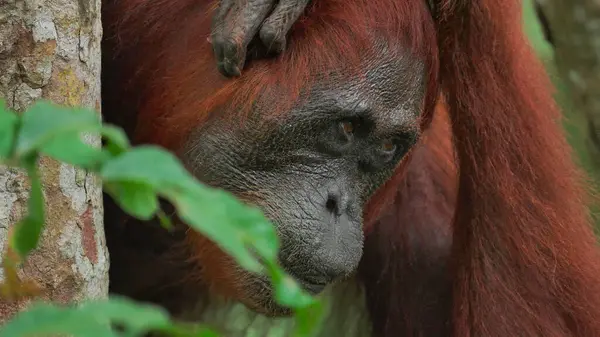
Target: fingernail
<point x="280" y="46"/>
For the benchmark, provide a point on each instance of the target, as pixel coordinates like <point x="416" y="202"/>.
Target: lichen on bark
<point x="50" y="49"/>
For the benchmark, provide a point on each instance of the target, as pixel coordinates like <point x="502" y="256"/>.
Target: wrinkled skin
<point x="313" y="169"/>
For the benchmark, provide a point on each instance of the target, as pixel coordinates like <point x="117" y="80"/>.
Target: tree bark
<point x="50" y="49"/>
<point x="574" y="26"/>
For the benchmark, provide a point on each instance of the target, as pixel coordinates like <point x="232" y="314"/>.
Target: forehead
<point x="390" y="87"/>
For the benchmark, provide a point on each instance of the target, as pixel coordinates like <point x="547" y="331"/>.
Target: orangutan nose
<point x="338" y="200"/>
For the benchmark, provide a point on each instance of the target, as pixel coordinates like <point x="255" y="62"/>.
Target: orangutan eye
<point x="388" y="146"/>
<point x="347" y="127"/>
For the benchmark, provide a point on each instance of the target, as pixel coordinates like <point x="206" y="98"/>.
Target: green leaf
<point x="70" y="148"/>
<point x="289" y="293"/>
<point x="135" y="198"/>
<point x="150" y="165"/>
<point x="135" y="318"/>
<point x="182" y="330"/>
<point x="92" y="319"/>
<point x="9" y="123"/>
<point x="44" y="121"/>
<point x="211" y="216"/>
<point x="116" y="140"/>
<point x="57" y="132"/>
<point x="309" y="320"/>
<point x="164" y="219"/>
<point x="27" y="232"/>
<point x="47" y="320"/>
<point x="235" y="227"/>
<point x="287" y="290"/>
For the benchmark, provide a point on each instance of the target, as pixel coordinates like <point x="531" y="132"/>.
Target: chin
<point x="258" y="296"/>
<point x="269" y="308"/>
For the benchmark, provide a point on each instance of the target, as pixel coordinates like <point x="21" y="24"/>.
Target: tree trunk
<point x="50" y="49"/>
<point x="574" y="26"/>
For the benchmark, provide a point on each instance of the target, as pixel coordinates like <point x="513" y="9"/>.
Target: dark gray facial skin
<point x="311" y="176"/>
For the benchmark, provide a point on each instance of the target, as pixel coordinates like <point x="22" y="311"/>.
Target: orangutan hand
<point x="236" y="23"/>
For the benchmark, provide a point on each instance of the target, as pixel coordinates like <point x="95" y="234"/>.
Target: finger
<point x="275" y="28"/>
<point x="236" y="31"/>
<point x="256" y="50"/>
<point x="220" y="14"/>
<point x="250" y="19"/>
<point x="218" y="28"/>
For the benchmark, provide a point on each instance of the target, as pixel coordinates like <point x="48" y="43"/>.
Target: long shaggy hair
<point x="493" y="174"/>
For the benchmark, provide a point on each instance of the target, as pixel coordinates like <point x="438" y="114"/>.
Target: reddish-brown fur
<point x="524" y="261"/>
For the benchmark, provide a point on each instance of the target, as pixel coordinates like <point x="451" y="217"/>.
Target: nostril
<point x="332" y="204"/>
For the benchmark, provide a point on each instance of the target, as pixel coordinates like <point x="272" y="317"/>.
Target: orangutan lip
<point x="313" y="284"/>
<point x="310" y="282"/>
<point x="313" y="288"/>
